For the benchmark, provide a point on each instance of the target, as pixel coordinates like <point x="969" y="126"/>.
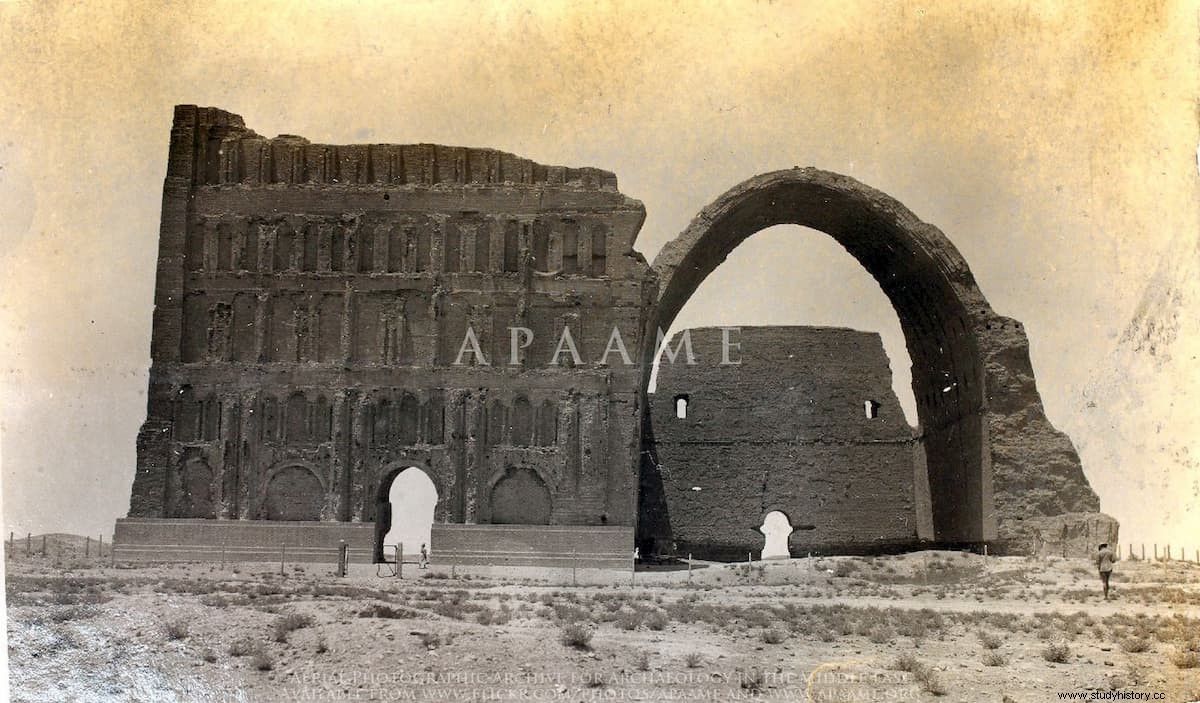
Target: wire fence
<point x="58" y="545"/>
<point x="1155" y="552"/>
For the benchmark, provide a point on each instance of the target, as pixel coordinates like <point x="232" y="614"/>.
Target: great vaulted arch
<point x="992" y="456"/>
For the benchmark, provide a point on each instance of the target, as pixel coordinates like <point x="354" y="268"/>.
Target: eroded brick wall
<point x="311" y="304"/>
<point x="806" y="424"/>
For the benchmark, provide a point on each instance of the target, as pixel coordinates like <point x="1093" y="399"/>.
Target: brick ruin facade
<point x="312" y="302"/>
<point x="999" y="471"/>
<point x="805" y="423"/>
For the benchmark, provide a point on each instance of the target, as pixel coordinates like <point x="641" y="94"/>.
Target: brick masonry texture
<point x="313" y="303"/>
<point x="806" y="424"/>
<point x="993" y="459"/>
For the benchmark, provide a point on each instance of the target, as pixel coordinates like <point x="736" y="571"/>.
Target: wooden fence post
<point x="282" y="557"/>
<point x="87" y="547"/>
<point x="689" y="566"/>
<point x="573" y="557"/>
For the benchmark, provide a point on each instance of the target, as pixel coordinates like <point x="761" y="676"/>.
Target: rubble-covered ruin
<point x="328" y="316"/>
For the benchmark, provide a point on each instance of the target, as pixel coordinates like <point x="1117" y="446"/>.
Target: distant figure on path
<point x="424" y="563"/>
<point x="1104" y="562"/>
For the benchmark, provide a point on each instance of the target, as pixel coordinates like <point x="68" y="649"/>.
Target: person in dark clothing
<point x="1104" y="562"/>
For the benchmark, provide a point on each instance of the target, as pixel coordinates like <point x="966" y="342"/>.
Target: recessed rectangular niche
<point x="871" y="408"/>
<point x="681" y="404"/>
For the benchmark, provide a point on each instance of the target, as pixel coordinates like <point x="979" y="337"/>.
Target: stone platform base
<point x="180" y="540"/>
<point x="175" y="540"/>
<point x="532" y="545"/>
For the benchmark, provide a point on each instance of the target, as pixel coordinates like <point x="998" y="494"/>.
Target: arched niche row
<point x="299" y="418"/>
<point x="522" y="422"/>
<point x="404" y="418"/>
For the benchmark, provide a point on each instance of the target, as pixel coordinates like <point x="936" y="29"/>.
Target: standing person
<point x="424" y="563"/>
<point x="1104" y="562"/>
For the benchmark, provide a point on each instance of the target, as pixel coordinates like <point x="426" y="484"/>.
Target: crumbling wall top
<point x="233" y="154"/>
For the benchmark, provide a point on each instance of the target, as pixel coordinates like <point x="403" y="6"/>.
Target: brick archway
<point x="382" y="514"/>
<point x="985" y="435"/>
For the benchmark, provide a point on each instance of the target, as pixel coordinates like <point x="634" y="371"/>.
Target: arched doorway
<point x="776" y="529"/>
<point x="197" y="499"/>
<point x="520" y="497"/>
<point x="404" y="510"/>
<point x="294" y="493"/>
<point x="976" y="399"/>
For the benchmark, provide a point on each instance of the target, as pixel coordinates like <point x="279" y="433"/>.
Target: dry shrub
<point x="641" y="660"/>
<point x="261" y="659"/>
<point x="286" y="624"/>
<point x="378" y="610"/>
<point x="1135" y="644"/>
<point x="753" y="681"/>
<point x="1185" y="659"/>
<point x="429" y="639"/>
<point x="176" y="629"/>
<point x="988" y="640"/>
<point x="629" y="620"/>
<point x="576" y="635"/>
<point x="924" y="674"/>
<point x="994" y="659"/>
<point x="1056" y="652"/>
<point x="906" y="662"/>
<point x="930" y="681"/>
<point x="844" y="568"/>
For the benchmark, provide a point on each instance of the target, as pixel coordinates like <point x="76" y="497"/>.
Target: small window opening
<point x="681" y="403"/>
<point x="871" y="408"/>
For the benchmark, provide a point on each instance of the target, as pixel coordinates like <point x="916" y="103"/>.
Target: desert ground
<point x="932" y="625"/>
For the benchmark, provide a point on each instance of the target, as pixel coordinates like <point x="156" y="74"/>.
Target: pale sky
<point x="1053" y="143"/>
